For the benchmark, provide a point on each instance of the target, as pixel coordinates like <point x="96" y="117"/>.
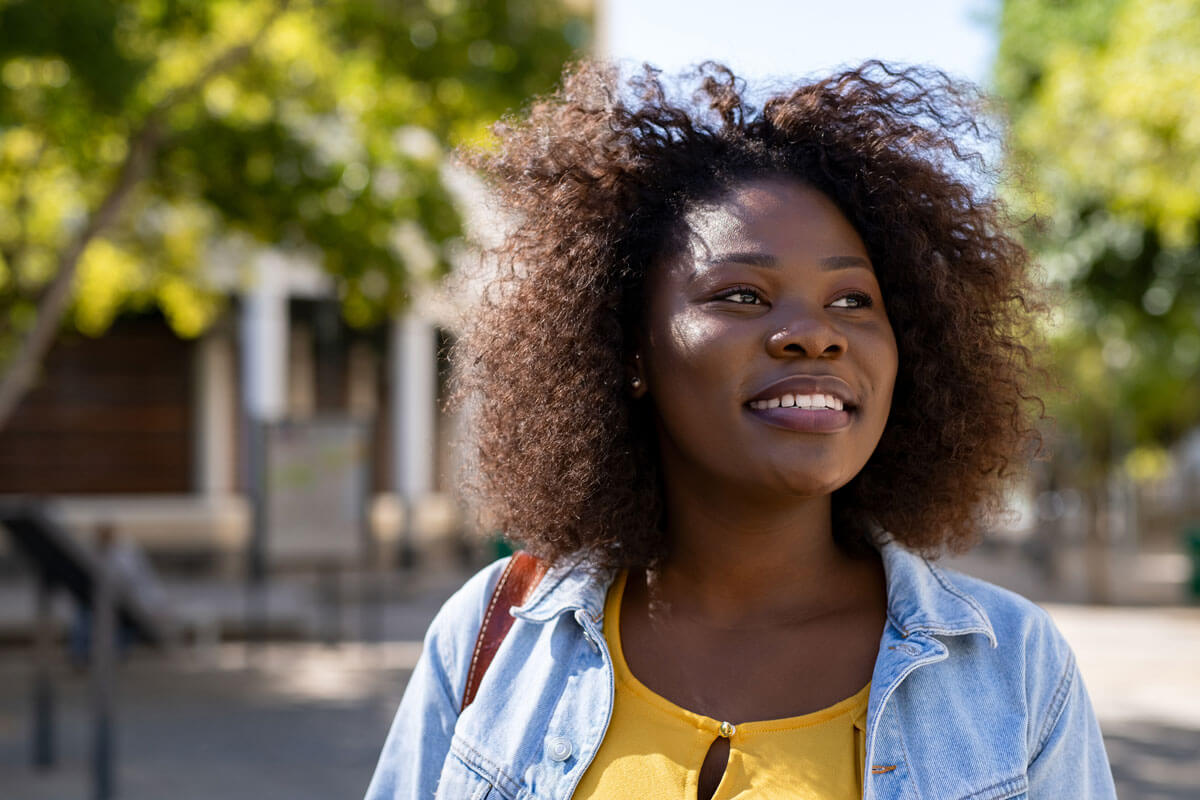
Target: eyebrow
<point x="770" y="261"/>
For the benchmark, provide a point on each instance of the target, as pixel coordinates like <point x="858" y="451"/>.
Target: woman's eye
<point x="742" y="296"/>
<point x="853" y="300"/>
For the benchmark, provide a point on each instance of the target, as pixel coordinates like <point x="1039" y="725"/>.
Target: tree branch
<point x="19" y="374"/>
<point x="16" y="253"/>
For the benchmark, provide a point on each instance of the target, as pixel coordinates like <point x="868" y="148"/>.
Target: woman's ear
<point x="637" y="377"/>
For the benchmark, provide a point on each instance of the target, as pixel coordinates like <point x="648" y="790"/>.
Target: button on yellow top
<point x="654" y="748"/>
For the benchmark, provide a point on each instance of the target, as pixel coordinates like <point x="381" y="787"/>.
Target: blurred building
<point x="151" y="433"/>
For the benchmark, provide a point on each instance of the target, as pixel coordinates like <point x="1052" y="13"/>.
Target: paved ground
<point x="1142" y="669"/>
<point x="296" y="722"/>
<point x="305" y="721"/>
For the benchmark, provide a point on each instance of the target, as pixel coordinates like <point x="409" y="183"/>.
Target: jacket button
<point x="560" y="748"/>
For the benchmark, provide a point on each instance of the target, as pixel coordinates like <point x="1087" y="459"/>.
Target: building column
<point x="215" y="403"/>
<point x="264" y="342"/>
<point x="413" y="365"/>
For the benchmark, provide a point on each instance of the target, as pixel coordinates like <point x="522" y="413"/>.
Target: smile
<point x="817" y="402"/>
<point x="803" y="413"/>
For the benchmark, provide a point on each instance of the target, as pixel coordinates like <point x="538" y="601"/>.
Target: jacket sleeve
<point x="416" y="746"/>
<point x="1070" y="760"/>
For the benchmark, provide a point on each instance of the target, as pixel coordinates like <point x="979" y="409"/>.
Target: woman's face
<point x="766" y="348"/>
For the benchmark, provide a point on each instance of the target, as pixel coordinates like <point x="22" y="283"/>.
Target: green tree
<point x="1104" y="98"/>
<point x="138" y="137"/>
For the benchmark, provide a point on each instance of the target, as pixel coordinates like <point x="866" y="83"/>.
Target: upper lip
<point x="809" y="384"/>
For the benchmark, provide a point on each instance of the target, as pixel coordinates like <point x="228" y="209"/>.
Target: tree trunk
<point x="19" y="374"/>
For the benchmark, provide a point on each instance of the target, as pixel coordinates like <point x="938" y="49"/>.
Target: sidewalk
<point x="305" y="721"/>
<point x="292" y="722"/>
<point x="1142" y="669"/>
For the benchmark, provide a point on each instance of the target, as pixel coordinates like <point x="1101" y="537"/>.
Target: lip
<point x="805" y="420"/>
<point x="809" y="384"/>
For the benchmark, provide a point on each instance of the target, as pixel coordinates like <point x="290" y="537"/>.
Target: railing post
<point x="103" y="651"/>
<point x="43" y="679"/>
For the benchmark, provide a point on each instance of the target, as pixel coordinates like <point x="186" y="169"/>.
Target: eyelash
<point x="861" y="299"/>
<point x="736" y="290"/>
<point x="864" y="300"/>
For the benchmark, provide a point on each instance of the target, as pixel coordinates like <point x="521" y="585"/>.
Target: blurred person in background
<point x="744" y="373"/>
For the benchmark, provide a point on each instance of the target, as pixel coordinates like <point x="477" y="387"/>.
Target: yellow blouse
<point x="654" y="748"/>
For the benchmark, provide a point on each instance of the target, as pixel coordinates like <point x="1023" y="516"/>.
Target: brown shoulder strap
<point x="517" y="582"/>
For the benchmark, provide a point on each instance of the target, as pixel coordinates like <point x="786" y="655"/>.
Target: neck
<point x="735" y="558"/>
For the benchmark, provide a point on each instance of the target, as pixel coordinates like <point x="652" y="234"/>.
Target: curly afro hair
<point x="600" y="176"/>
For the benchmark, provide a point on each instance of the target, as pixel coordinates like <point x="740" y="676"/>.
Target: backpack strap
<point x="517" y="582"/>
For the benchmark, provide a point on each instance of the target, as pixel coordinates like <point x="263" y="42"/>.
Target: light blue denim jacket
<point x="975" y="695"/>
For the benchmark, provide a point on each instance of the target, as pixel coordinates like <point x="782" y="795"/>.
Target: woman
<point x="744" y="368"/>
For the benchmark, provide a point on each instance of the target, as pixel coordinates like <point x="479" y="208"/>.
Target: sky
<point x="765" y="39"/>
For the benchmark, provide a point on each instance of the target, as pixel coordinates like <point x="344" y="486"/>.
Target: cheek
<point x="892" y="367"/>
<point x="884" y="366"/>
<point x="888" y="364"/>
<point x="695" y="336"/>
<point x="883" y="359"/>
<point x="687" y="344"/>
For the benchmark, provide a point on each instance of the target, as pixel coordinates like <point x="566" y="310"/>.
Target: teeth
<point x="812" y="401"/>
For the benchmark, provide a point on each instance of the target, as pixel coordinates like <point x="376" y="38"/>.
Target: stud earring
<point x="635" y="382"/>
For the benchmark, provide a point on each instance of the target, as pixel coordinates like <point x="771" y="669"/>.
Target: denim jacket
<point x="975" y="696"/>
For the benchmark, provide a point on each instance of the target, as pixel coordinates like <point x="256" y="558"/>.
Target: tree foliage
<point x="1105" y="103"/>
<point x="142" y="142"/>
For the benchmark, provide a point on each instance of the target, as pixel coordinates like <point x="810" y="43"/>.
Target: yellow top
<point x="654" y="748"/>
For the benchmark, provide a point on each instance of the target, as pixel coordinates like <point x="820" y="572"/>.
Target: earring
<point x="635" y="382"/>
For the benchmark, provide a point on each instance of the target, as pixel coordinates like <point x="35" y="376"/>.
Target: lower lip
<point x="804" y="420"/>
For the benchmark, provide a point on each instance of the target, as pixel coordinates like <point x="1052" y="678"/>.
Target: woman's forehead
<point x="778" y="217"/>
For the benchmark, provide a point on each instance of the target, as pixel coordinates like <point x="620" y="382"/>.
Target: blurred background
<point x="232" y="243"/>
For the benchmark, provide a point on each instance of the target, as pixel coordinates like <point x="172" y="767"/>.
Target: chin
<point x="810" y="485"/>
<point x="813" y="490"/>
<point x="809" y="477"/>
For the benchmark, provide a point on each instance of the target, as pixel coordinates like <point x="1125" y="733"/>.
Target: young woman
<point x="744" y="372"/>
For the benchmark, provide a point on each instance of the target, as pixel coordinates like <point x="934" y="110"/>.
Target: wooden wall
<point x="109" y="415"/>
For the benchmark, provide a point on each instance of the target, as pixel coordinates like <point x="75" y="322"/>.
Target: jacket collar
<point x="569" y="586"/>
<point x="921" y="599"/>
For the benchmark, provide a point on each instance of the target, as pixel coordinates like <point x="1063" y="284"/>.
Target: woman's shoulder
<point x="1027" y="684"/>
<point x="450" y="638"/>
<point x="450" y="642"/>
<point x="925" y="594"/>
<point x="1003" y="606"/>
<point x="1024" y="632"/>
<point x="466" y="607"/>
<point x="455" y="627"/>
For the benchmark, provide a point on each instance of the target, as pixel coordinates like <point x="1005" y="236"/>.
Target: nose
<point x="807" y="333"/>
